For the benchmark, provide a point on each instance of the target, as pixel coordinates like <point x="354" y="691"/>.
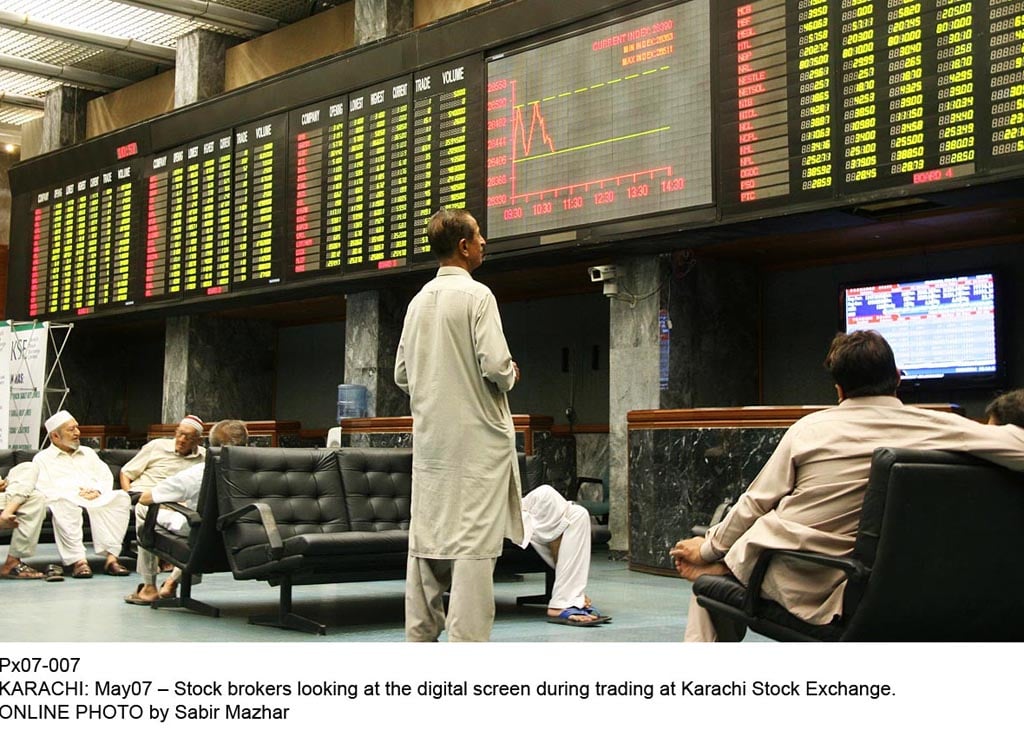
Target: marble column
<point x="199" y="66"/>
<point x="213" y="367"/>
<point x="373" y="327"/>
<point x="379" y="19"/>
<point x="218" y="368"/>
<point x="692" y="343"/>
<point x="373" y="320"/>
<point x="64" y="112"/>
<point x="633" y="369"/>
<point x="713" y="353"/>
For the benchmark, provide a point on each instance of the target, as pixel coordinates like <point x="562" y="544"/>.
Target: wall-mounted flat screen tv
<point x="944" y="330"/>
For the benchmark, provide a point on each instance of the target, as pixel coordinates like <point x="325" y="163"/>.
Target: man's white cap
<point x="191" y="420"/>
<point x="59" y="419"/>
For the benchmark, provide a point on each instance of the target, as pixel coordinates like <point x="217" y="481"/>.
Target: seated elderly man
<point x="23" y="510"/>
<point x="158" y="460"/>
<point x="72" y="478"/>
<point x="165" y="457"/>
<point x="808" y="496"/>
<point x="182" y="488"/>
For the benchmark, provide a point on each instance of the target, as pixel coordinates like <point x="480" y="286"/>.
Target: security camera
<point x="607" y="275"/>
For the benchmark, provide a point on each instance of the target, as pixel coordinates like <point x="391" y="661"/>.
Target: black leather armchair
<point x="936" y="558"/>
<point x="201" y="551"/>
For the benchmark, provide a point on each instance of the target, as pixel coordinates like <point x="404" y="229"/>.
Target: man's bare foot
<point x="169" y="589"/>
<point x="693" y="572"/>
<point x="573" y="617"/>
<point x="144" y="594"/>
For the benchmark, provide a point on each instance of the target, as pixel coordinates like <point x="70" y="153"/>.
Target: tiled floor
<point x="646" y="608"/>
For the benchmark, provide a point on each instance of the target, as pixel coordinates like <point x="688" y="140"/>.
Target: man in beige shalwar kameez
<point x="808" y="496"/>
<point x="454" y="363"/>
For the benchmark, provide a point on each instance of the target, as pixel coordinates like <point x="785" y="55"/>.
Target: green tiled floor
<point x="646" y="608"/>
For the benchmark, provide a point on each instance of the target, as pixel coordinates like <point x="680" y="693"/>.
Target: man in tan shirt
<point x="808" y="495"/>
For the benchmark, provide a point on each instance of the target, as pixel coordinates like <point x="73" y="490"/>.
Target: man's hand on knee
<point x="687" y="550"/>
<point x="7" y="520"/>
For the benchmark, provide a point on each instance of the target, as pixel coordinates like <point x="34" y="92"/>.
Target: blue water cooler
<point x="351" y="401"/>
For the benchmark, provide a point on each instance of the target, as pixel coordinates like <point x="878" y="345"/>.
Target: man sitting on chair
<point x="808" y="496"/>
<point x="22" y="510"/>
<point x="183" y="488"/>
<point x="73" y="478"/>
<point x="560" y="532"/>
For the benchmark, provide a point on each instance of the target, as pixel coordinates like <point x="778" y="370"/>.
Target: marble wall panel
<point x="377" y="440"/>
<point x="373" y="327"/>
<point x="199" y="66"/>
<point x="377" y="19"/>
<point x="218" y="368"/>
<point x="592" y="461"/>
<point x="558" y="455"/>
<point x="678" y="476"/>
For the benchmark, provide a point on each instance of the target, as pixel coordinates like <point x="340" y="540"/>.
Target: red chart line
<point x="585" y="186"/>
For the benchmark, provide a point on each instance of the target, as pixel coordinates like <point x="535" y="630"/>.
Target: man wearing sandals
<point x="72" y="478"/>
<point x="560" y="533"/>
<point x="454" y="363"/>
<point x="23" y="510"/>
<point x="159" y="460"/>
<point x="182" y="488"/>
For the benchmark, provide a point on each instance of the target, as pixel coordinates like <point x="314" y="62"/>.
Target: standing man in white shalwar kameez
<point x="454" y="363"/>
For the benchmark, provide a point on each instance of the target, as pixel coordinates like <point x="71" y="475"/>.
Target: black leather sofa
<point x="296" y="516"/>
<point x="936" y="558"/>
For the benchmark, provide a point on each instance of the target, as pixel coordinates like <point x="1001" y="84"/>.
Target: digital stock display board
<point x="601" y="126"/>
<point x="80" y="246"/>
<point x="367" y="170"/>
<point x="661" y="115"/>
<point x="822" y="101"/>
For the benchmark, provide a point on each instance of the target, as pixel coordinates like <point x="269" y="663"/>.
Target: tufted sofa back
<point x="302" y="486"/>
<point x="378" y="487"/>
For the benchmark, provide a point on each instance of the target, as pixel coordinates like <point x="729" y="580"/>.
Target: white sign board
<point x="25" y="380"/>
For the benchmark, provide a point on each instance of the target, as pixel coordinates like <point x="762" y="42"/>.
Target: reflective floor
<point x="646" y="608"/>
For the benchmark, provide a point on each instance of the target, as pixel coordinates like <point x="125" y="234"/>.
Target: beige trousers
<point x="702" y="627"/>
<point x="147" y="564"/>
<point x="470" y="605"/>
<point x="21" y="483"/>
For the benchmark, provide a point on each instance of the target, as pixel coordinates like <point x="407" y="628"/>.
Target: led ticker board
<point x="445" y="126"/>
<point x="826" y="101"/>
<point x="256" y="212"/>
<point x="367" y="170"/>
<point x="317" y="195"/>
<point x="81" y="244"/>
<point x="188" y="238"/>
<point x="600" y="126"/>
<point x="377" y="179"/>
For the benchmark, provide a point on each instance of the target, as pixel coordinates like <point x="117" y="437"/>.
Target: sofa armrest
<point x="854" y="569"/>
<point x="193" y="518"/>
<point x="147" y="534"/>
<point x="266" y="520"/>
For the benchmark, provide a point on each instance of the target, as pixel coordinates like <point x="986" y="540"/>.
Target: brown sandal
<point x="114" y="568"/>
<point x="22" y="572"/>
<point x="81" y="569"/>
